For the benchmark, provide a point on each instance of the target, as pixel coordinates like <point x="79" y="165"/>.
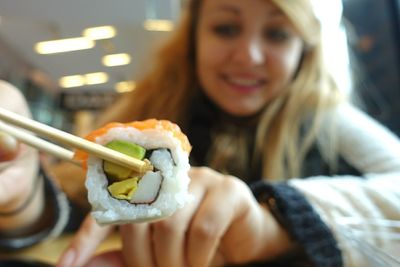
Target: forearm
<point x="373" y="197"/>
<point x="306" y="233"/>
<point x="277" y="241"/>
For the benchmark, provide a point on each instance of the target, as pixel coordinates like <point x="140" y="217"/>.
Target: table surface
<point x="49" y="251"/>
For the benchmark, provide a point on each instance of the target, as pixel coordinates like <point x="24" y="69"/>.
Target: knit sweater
<point x="375" y="152"/>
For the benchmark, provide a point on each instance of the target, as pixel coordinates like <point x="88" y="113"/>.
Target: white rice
<point x="174" y="188"/>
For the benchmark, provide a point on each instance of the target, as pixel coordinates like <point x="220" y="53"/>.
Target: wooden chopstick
<point x="74" y="141"/>
<point x="38" y="143"/>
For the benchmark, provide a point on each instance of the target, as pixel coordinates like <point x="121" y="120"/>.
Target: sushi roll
<point x="120" y="195"/>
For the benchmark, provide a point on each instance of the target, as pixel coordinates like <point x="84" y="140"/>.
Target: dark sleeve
<point x="52" y="222"/>
<point x="304" y="225"/>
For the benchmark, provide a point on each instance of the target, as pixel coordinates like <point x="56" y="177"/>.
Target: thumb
<point x="107" y="259"/>
<point x="9" y="147"/>
<point x="84" y="243"/>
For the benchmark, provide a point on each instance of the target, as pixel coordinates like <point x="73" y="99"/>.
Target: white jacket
<point x="370" y="202"/>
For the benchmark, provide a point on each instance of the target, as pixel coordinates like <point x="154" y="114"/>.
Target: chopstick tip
<point x="147" y="166"/>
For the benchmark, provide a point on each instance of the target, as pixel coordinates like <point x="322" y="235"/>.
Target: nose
<point x="249" y="51"/>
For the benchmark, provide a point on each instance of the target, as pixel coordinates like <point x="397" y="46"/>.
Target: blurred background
<point x="114" y="41"/>
<point x="107" y="44"/>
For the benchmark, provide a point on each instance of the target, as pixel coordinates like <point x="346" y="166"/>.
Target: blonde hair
<point x="312" y="92"/>
<point x="281" y="142"/>
<point x="163" y="92"/>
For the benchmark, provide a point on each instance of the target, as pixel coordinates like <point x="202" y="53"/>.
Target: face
<point x="247" y="52"/>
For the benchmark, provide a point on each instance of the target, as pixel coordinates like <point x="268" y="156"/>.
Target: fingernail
<point x="68" y="259"/>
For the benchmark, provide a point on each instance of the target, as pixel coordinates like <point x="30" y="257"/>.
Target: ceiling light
<point x="158" y="25"/>
<point x="116" y="60"/>
<point x="72" y="81"/>
<point x="64" y="45"/>
<point x="85" y="79"/>
<point x="98" y="33"/>
<point x="124" y="87"/>
<point x="96" y="78"/>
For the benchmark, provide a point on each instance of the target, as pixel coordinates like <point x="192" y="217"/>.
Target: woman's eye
<point x="276" y="35"/>
<point x="227" y="30"/>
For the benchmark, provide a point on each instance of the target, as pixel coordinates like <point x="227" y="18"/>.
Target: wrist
<point x="255" y="236"/>
<point x="51" y="220"/>
<point x="24" y="210"/>
<point x="276" y="239"/>
<point x="316" y="243"/>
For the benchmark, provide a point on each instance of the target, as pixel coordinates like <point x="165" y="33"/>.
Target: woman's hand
<point x="18" y="172"/>
<point x="223" y="224"/>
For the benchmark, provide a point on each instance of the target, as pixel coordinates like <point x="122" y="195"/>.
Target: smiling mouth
<point x="244" y="84"/>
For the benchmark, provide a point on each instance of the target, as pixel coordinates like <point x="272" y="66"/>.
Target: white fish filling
<point x="150" y="184"/>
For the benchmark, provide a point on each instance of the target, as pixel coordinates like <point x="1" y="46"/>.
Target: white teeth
<point x="244" y="82"/>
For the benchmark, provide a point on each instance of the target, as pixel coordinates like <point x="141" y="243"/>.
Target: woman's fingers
<point x="211" y="221"/>
<point x="137" y="245"/>
<point x="229" y="220"/>
<point x="169" y="235"/>
<point x="160" y="243"/>
<point x="169" y="243"/>
<point x="84" y="243"/>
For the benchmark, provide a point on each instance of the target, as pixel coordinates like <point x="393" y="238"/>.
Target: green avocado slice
<point x="124" y="189"/>
<point x="117" y="172"/>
